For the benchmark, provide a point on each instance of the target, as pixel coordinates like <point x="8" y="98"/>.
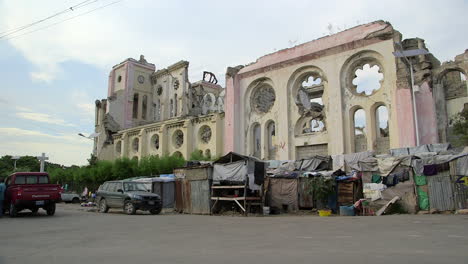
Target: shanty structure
<point x="164" y="187"/>
<point x="192" y="188"/>
<point x="239" y="179"/>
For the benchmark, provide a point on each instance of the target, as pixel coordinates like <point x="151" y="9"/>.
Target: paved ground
<point x="77" y="236"/>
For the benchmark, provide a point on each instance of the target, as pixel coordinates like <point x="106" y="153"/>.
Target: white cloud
<point x="169" y="31"/>
<point x="67" y="149"/>
<point x="23" y="109"/>
<point x="87" y="108"/>
<point x="43" y="118"/>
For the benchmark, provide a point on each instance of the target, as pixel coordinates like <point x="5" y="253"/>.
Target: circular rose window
<point x="263" y="99"/>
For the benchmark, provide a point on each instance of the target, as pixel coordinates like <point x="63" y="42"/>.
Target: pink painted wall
<point x="427" y="122"/>
<point x="347" y="36"/>
<point x="110" y="89"/>
<point x="404" y="112"/>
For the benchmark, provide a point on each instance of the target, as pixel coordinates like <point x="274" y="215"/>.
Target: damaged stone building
<point x="158" y="112"/>
<point x="343" y="93"/>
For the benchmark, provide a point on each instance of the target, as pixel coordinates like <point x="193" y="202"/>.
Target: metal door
<point x="441" y="192"/>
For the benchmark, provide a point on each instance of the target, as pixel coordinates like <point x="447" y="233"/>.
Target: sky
<point x="51" y="77"/>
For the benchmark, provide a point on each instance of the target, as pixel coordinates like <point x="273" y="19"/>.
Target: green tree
<point x="460" y="126"/>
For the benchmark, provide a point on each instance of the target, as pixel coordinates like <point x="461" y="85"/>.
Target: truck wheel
<point x="50" y="209"/>
<point x="103" y="208"/>
<point x="75" y="200"/>
<point x="129" y="208"/>
<point x="156" y="211"/>
<point x="13" y="210"/>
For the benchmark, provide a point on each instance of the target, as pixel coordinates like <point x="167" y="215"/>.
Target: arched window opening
<point x="271" y="140"/>
<point x="381" y="120"/>
<point x="157" y="110"/>
<point x="171" y="108"/>
<point x="367" y="79"/>
<point x="208" y="153"/>
<point x="175" y="105"/>
<point x="155" y="140"/>
<point x="135" y="106"/>
<point x="311" y="92"/>
<point x="257" y="140"/>
<point x="144" y="107"/>
<point x="135" y="144"/>
<point x="360" y="135"/>
<point x="455" y="89"/>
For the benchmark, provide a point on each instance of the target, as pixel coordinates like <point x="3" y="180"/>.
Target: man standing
<point x="2" y="195"/>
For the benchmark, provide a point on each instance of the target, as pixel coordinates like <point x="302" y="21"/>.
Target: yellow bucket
<point x="324" y="212"/>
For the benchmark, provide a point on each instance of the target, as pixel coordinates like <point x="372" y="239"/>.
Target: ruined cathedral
<point x="349" y="92"/>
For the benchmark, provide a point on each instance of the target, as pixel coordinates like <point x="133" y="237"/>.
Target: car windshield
<point x="135" y="186"/>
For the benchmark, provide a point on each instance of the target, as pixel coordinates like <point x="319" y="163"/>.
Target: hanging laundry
<point x="376" y="178"/>
<point x="430" y="170"/>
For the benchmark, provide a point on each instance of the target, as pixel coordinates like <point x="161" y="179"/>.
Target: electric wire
<point x="64" y="20"/>
<point x="70" y="9"/>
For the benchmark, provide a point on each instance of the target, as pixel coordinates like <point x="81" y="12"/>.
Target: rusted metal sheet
<point x="199" y="173"/>
<point x="306" y="200"/>
<point x="441" y="192"/>
<point x="345" y="193"/>
<point x="200" y="197"/>
<point x="187" y="197"/>
<point x="203" y="172"/>
<point x="182" y="196"/>
<point x="179" y="197"/>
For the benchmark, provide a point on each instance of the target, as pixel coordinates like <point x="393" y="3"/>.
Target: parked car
<point x="71" y="197"/>
<point x="30" y="190"/>
<point x="129" y="195"/>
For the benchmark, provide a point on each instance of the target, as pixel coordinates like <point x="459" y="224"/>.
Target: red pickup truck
<point x="30" y="190"/>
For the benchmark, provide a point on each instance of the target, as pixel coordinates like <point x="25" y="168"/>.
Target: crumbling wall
<point x="450" y="95"/>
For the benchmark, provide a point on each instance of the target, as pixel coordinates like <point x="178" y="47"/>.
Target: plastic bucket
<point x="324" y="213"/>
<point x="347" y="210"/>
<point x="266" y="210"/>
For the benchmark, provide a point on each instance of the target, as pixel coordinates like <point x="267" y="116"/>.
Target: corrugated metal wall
<point x="182" y="196"/>
<point x="179" y="197"/>
<point x="166" y="192"/>
<point x="460" y="193"/>
<point x="200" y="197"/>
<point x="441" y="192"/>
<point x="187" y="197"/>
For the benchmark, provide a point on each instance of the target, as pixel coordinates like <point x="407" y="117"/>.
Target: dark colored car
<point x="129" y="195"/>
<point x="30" y="190"/>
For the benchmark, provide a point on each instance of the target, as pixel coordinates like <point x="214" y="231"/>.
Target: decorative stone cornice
<point x="134" y="133"/>
<point x="176" y="124"/>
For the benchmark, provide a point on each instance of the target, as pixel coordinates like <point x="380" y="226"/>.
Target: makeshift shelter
<point x="239" y="179"/>
<point x="193" y="189"/>
<point x="164" y="187"/>
<point x="236" y="168"/>
<point x="282" y="194"/>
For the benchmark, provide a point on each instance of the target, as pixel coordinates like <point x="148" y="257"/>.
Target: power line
<point x="64" y="20"/>
<point x="70" y="9"/>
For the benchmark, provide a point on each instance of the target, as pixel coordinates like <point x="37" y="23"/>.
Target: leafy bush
<point x="92" y="176"/>
<point x="321" y="188"/>
<point x="460" y="126"/>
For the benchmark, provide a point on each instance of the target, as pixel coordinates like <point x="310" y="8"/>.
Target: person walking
<point x="2" y="196"/>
